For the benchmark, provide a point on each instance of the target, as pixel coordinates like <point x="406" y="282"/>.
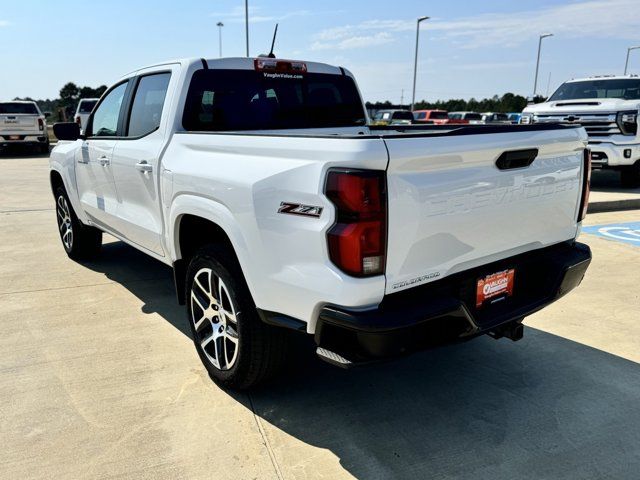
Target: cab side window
<point x="148" y="102"/>
<point x="105" y="118"/>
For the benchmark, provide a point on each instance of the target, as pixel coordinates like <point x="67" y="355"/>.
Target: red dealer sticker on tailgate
<point x="495" y="285"/>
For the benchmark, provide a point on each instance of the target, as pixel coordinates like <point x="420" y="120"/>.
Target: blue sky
<point x="468" y="49"/>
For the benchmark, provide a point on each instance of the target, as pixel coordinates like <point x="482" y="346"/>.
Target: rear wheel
<point x="238" y="350"/>
<point x="630" y="176"/>
<point x="81" y="242"/>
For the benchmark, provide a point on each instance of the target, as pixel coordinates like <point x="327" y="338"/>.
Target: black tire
<point x="260" y="351"/>
<point x="630" y="176"/>
<point x="81" y="242"/>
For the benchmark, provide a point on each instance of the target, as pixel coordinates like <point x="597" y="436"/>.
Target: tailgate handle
<point x="516" y="159"/>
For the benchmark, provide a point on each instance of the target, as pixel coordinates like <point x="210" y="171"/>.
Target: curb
<point x="614" y="205"/>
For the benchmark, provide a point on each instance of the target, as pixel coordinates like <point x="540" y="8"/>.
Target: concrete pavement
<point x="608" y="196"/>
<point x="99" y="379"/>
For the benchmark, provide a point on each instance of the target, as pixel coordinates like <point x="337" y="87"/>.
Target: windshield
<point x="626" y="88"/>
<point x="19" y="108"/>
<point x="438" y="115"/>
<point x="472" y="116"/>
<point x="86" y="106"/>
<point x="226" y="100"/>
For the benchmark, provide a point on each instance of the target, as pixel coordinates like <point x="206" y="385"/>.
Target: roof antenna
<point x="273" y="42"/>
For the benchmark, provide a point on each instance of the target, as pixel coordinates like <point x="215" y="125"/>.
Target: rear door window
<point x="148" y="102"/>
<point x="228" y="100"/>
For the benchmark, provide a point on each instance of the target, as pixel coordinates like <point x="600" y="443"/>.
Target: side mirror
<point x="66" y="131"/>
<point x="47" y="114"/>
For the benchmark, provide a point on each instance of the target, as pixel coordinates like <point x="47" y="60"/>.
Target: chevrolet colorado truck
<point x="22" y="123"/>
<point x="280" y="209"/>
<point x="607" y="107"/>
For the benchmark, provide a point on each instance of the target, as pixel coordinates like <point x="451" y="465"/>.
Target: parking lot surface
<point x="99" y="379"/>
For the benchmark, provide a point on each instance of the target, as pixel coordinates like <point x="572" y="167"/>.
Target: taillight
<point x="41" y="124"/>
<point x="586" y="185"/>
<point x="78" y="121"/>
<point x="358" y="240"/>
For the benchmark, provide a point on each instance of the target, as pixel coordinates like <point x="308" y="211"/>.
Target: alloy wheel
<point x="64" y="222"/>
<point x="214" y="319"/>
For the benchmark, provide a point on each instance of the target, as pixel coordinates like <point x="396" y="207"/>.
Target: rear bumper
<point x="23" y="139"/>
<point x="444" y="311"/>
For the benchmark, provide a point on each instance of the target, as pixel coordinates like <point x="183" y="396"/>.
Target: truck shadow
<point x="545" y="407"/>
<point x="609" y="181"/>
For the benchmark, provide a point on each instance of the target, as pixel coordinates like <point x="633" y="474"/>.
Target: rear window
<point x="86" y="106"/>
<point x="501" y="116"/>
<point x="403" y="115"/>
<point x="236" y="100"/>
<point x="438" y="115"/>
<point x="472" y="116"/>
<point x="18" y="108"/>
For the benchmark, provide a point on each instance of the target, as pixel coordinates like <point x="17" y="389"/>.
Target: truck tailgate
<point x="18" y="123"/>
<point x="451" y="208"/>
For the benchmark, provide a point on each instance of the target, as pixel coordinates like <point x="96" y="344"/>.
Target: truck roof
<point x="244" y="63"/>
<point x="18" y="101"/>
<point x="602" y="77"/>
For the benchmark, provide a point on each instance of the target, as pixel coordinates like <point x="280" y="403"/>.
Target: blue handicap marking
<point x="620" y="232"/>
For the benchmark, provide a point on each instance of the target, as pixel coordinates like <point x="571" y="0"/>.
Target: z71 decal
<point x="298" y="209"/>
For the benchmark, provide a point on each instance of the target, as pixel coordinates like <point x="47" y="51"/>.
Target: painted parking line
<point x="619" y="232"/>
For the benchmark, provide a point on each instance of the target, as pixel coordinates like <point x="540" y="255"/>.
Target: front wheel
<point x="238" y="350"/>
<point x="81" y="242"/>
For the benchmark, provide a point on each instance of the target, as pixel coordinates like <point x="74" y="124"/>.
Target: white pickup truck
<point x="22" y="123"/>
<point x="260" y="182"/>
<point x="607" y="107"/>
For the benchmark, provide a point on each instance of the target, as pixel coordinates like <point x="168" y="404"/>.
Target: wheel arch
<point x="198" y="222"/>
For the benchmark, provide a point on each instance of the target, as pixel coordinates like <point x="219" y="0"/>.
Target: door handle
<point x="144" y="166"/>
<point x="104" y="161"/>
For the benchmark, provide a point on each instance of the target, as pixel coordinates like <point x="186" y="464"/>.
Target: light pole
<point x="535" y="82"/>
<point x="246" y="23"/>
<point x="626" y="64"/>
<point x="220" y="25"/>
<point x="415" y="62"/>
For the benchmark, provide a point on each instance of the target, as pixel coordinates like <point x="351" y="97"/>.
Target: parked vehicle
<point x="437" y="117"/>
<point x="495" y="118"/>
<point x="472" y="118"/>
<point x="85" y="105"/>
<point x="393" y="117"/>
<point x="514" y="118"/>
<point x="281" y="209"/>
<point x="22" y="123"/>
<point x="608" y="109"/>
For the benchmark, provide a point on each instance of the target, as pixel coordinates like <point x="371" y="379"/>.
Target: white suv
<point x="607" y="107"/>
<point x="85" y="106"/>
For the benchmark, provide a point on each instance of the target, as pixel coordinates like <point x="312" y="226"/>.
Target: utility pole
<point x="402" y="97"/>
<point x="246" y="22"/>
<point x="548" y="85"/>
<point x="535" y="82"/>
<point x="626" y="64"/>
<point x="415" y="62"/>
<point x="220" y="25"/>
